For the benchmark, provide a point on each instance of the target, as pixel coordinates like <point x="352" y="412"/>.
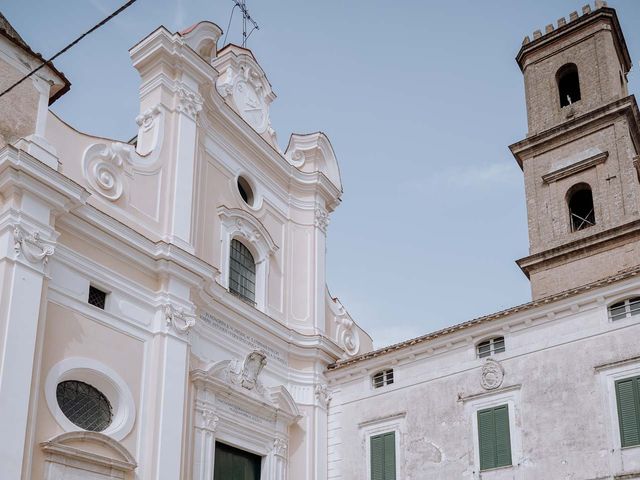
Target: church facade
<point x="165" y="312"/>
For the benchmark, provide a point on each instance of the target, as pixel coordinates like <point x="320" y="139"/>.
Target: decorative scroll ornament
<point x="321" y="219"/>
<point x="492" y="375"/>
<point x="105" y="166"/>
<point x="189" y="102"/>
<point x="346" y="332"/>
<point x="323" y="394"/>
<point x="280" y="447"/>
<point x="31" y="246"/>
<point x="177" y="318"/>
<point x="247" y="374"/>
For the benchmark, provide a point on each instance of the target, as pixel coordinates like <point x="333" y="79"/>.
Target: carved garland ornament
<point x="280" y="447"/>
<point x="31" y="246"/>
<point x="492" y="375"/>
<point x="321" y="219"/>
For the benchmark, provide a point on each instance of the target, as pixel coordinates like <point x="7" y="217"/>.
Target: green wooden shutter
<point x="383" y="456"/>
<point x="486" y="439"/>
<point x="503" y="438"/>
<point x="628" y="399"/>
<point x="377" y="457"/>
<point x="494" y="439"/>
<point x="390" y="456"/>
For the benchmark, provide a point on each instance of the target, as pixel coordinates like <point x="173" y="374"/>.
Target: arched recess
<point x="581" y="207"/>
<point x="232" y="406"/>
<point x="203" y="39"/>
<point x="240" y="225"/>
<point x="75" y="454"/>
<point x="568" y="81"/>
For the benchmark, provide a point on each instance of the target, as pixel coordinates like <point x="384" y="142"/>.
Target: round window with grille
<point x="84" y="405"/>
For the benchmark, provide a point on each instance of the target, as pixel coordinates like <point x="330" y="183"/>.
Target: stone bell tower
<point x="579" y="158"/>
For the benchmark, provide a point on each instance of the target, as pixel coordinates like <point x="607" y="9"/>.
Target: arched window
<point x="490" y="347"/>
<point x="625" y="308"/>
<point x="581" y="210"/>
<point x="242" y="272"/>
<point x="568" y="84"/>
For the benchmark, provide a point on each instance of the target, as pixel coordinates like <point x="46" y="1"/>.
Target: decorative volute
<point x="245" y="87"/>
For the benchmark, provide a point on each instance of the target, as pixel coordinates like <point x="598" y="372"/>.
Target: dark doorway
<point x="235" y="464"/>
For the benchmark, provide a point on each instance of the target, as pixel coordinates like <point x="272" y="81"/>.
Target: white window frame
<point x="492" y="353"/>
<point x="100" y="376"/>
<point x="628" y="314"/>
<point x="236" y="224"/>
<point x="385" y="382"/>
<point x="473" y="405"/>
<point x="395" y="423"/>
<point x="609" y="375"/>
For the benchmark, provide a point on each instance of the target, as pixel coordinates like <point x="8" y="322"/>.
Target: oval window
<point x="84" y="405"/>
<point x="246" y="192"/>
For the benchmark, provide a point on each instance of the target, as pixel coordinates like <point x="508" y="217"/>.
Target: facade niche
<point x="581" y="211"/>
<point x="568" y="84"/>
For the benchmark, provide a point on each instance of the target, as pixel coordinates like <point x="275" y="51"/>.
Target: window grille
<point x="625" y="309"/>
<point x="382" y="378"/>
<point x="242" y="272"/>
<point x="97" y="297"/>
<point x="490" y="347"/>
<point x="84" y="405"/>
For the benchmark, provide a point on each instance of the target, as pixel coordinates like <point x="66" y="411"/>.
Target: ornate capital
<point x="323" y="394"/>
<point x="177" y="318"/>
<point x="492" y="375"/>
<point x="189" y="102"/>
<point x="31" y="246"/>
<point x="280" y="447"/>
<point x="321" y="219"/>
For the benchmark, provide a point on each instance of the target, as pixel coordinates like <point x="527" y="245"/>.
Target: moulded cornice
<point x="559" y="134"/>
<point x="162" y="46"/>
<point x="158" y="257"/>
<point x="19" y="169"/>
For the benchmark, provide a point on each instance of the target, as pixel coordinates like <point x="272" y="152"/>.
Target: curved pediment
<point x="313" y="152"/>
<point x="239" y="223"/>
<point x="93" y="448"/>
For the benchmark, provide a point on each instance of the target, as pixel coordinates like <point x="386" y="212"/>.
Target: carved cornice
<point x="575" y="167"/>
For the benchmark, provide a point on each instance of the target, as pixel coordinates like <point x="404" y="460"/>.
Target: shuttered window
<point x="494" y="441"/>
<point x="383" y="456"/>
<point x="628" y="399"/>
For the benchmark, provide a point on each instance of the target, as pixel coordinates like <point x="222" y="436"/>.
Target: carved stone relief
<point x="492" y="375"/>
<point x="31" y="246"/>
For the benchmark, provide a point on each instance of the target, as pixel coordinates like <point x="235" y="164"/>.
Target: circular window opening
<point x="84" y="405"/>
<point x="246" y="192"/>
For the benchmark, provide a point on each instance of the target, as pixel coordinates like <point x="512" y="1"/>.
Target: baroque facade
<point x="165" y="313"/>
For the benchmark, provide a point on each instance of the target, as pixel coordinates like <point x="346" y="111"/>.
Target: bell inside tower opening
<point x="568" y="84"/>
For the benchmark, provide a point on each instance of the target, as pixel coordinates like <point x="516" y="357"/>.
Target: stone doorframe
<point x="231" y="408"/>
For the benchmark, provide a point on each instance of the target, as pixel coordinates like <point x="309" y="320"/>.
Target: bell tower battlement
<point x="580" y="157"/>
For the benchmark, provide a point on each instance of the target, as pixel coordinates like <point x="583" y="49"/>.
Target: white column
<point x="22" y="263"/>
<point x="279" y="460"/>
<point x="204" y="442"/>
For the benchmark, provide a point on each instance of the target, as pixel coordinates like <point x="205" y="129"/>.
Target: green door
<point x="235" y="464"/>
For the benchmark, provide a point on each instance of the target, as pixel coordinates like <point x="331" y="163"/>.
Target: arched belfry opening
<point x="568" y="84"/>
<point x="581" y="211"/>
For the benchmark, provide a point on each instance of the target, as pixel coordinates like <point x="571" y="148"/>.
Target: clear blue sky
<point x="420" y="100"/>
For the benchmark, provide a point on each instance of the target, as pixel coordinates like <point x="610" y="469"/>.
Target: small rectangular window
<point x="382" y="378"/>
<point x="97" y="297"/>
<point x="490" y="347"/>
<point x="625" y="309"/>
<point x="494" y="440"/>
<point x="383" y="456"/>
<point x="628" y="401"/>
